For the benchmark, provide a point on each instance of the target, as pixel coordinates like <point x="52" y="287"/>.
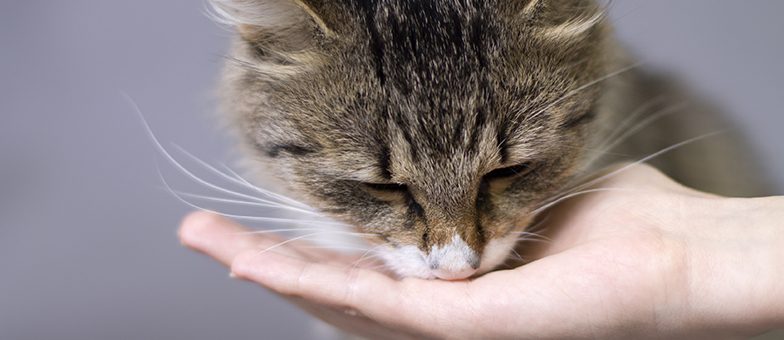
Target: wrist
<point x="736" y="266"/>
<point x="769" y="213"/>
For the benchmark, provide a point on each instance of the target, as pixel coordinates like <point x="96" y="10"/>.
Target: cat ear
<point x="574" y="28"/>
<point x="256" y="19"/>
<point x="560" y="20"/>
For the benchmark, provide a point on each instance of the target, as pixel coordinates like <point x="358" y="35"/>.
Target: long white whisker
<point x="363" y="257"/>
<point x="652" y="156"/>
<point x="536" y="227"/>
<point x="274" y="231"/>
<point x="336" y="247"/>
<point x="532" y="233"/>
<point x="238" y="202"/>
<point x="266" y="192"/>
<point x="379" y="264"/>
<point x="628" y="166"/>
<point x="583" y="87"/>
<point x="244" y="217"/>
<point x="280" y="244"/>
<point x="574" y="194"/>
<point x="529" y="234"/>
<point x="236" y="181"/>
<point x="630" y="119"/>
<point x="538" y="240"/>
<point x="644" y="123"/>
<point x="519" y="257"/>
<point x="179" y="166"/>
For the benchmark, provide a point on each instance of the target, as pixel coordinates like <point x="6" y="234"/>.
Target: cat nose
<point x="454" y="275"/>
<point x="453" y="261"/>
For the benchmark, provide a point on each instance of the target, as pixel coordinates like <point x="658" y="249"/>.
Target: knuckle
<point x="242" y="264"/>
<point x="352" y="287"/>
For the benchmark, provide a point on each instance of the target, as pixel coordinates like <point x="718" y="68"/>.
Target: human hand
<point x="645" y="258"/>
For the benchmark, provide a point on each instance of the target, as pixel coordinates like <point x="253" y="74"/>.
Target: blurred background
<point x="88" y="246"/>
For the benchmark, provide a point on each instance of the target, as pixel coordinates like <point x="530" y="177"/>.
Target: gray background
<point x="87" y="235"/>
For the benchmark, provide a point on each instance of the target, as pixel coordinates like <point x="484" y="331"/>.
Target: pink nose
<point x="454" y="275"/>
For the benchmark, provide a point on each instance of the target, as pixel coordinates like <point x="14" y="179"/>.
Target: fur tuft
<point x="272" y="14"/>
<point x="573" y="29"/>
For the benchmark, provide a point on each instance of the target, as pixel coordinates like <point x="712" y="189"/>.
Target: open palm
<point x="620" y="263"/>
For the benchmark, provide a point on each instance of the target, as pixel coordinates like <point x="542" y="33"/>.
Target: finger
<point x="349" y="322"/>
<point x="315" y="281"/>
<point x="222" y="238"/>
<point x="429" y="307"/>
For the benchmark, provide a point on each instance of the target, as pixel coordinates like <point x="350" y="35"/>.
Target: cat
<point x="443" y="127"/>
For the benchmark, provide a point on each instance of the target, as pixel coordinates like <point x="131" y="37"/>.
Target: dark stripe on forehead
<point x="369" y="8"/>
<point x="427" y="42"/>
<point x="480" y="120"/>
<point x="433" y="59"/>
<point x="384" y="162"/>
<point x="405" y="129"/>
<point x="486" y="106"/>
<point x="502" y="139"/>
<point x="477" y="39"/>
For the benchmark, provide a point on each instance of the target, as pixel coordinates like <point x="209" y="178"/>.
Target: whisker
<point x="232" y="179"/>
<point x="627" y="167"/>
<point x="331" y="232"/>
<point x="574" y="194"/>
<point x="652" y="156"/>
<point x="535" y="240"/>
<point x="644" y="107"/>
<point x="244" y="217"/>
<point x="274" y="231"/>
<point x="519" y="257"/>
<point x="238" y="202"/>
<point x="381" y="267"/>
<point x="176" y="164"/>
<point x="266" y="192"/>
<point x="295" y="239"/>
<point x="361" y="258"/>
<point x="539" y="226"/>
<point x="529" y="234"/>
<point x="623" y="132"/>
<point x="583" y="87"/>
<point x="644" y="123"/>
<point x="336" y="247"/>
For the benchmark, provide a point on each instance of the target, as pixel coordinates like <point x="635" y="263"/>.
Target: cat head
<point x="438" y="125"/>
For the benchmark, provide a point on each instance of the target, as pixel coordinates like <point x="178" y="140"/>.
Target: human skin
<point x="642" y="257"/>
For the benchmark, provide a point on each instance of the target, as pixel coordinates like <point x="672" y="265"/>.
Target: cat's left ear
<point x="254" y="18"/>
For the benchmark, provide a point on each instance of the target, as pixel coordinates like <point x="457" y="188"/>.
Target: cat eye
<point x="509" y="172"/>
<point x="386" y="187"/>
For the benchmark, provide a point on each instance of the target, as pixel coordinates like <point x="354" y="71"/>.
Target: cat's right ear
<point x="292" y="22"/>
<point x="558" y="21"/>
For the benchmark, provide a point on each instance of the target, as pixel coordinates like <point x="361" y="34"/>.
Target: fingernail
<point x="232" y="275"/>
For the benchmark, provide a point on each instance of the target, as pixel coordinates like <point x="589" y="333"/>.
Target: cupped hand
<point x="640" y="257"/>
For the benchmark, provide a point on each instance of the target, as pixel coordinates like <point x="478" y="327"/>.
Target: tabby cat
<point x="442" y="127"/>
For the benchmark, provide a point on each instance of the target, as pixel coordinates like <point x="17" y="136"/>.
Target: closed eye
<point x="510" y="172"/>
<point x="386" y="187"/>
<point x="582" y="119"/>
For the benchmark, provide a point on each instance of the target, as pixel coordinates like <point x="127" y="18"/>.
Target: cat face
<point x="438" y="126"/>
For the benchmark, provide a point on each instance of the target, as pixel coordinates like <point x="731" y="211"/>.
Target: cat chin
<point x="410" y="261"/>
<point x="407" y="261"/>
